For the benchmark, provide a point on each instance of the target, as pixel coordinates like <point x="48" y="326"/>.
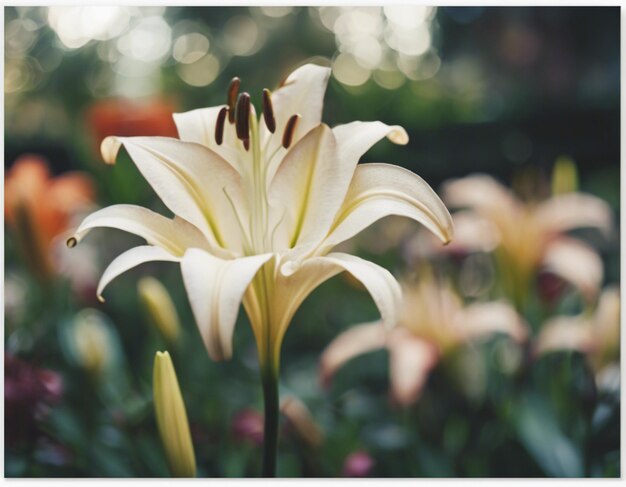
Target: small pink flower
<point x="247" y="425"/>
<point x="358" y="464"/>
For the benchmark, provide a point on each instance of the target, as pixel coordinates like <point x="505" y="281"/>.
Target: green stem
<point x="269" y="377"/>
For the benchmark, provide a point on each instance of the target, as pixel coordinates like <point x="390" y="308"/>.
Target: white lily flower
<point x="259" y="205"/>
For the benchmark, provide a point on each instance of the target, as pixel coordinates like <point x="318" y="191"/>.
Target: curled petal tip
<point x="109" y="148"/>
<point x="398" y="135"/>
<point x="100" y="298"/>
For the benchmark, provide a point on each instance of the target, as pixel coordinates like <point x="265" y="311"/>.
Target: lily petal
<point x="303" y="191"/>
<point x="355" y="138"/>
<point x="479" y="192"/>
<point x="378" y="281"/>
<point x="132" y="258"/>
<point x="411" y="360"/>
<point x="199" y="126"/>
<point x="294" y="282"/>
<point x="378" y="190"/>
<point x="576" y="263"/>
<point x="302" y="93"/>
<point x="480" y="319"/>
<point x="565" y="333"/>
<point x="174" y="235"/>
<point x="575" y="210"/>
<point x="215" y="288"/>
<point x="355" y="341"/>
<point x="193" y="182"/>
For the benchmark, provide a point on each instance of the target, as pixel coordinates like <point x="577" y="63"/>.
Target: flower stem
<point x="269" y="377"/>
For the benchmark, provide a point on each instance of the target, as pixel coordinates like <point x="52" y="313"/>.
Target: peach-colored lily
<point x="595" y="335"/>
<point x="432" y="323"/>
<point x="529" y="236"/>
<point x="39" y="207"/>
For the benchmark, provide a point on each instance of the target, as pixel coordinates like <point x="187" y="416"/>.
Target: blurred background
<point x="528" y="96"/>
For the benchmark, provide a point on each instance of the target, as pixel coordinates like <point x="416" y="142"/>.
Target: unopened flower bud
<point x="160" y="308"/>
<point x="171" y="418"/>
<point x="564" y="176"/>
<point x="91" y="341"/>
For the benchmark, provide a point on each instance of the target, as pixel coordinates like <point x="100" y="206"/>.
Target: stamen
<point x="71" y="242"/>
<point x="246" y="144"/>
<point x="219" y="125"/>
<point x="233" y="90"/>
<point x="242" y="122"/>
<point x="290" y="130"/>
<point x="268" y="111"/>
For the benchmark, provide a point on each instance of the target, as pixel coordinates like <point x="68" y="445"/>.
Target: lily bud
<point x="171" y="418"/>
<point x="91" y="342"/>
<point x="564" y="176"/>
<point x="160" y="307"/>
<point x="301" y="421"/>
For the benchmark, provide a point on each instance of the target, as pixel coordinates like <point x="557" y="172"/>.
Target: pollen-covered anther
<point x="290" y="130"/>
<point x="242" y="122"/>
<point x="219" y="125"/>
<point x="268" y="111"/>
<point x="233" y="91"/>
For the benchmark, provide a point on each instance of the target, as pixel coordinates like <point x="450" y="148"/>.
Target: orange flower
<point x="117" y="116"/>
<point x="38" y="207"/>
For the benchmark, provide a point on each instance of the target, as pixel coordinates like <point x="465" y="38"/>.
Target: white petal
<point x="355" y="138"/>
<point x="301" y="93"/>
<point x="215" y="288"/>
<point x="193" y="182"/>
<point x="303" y="193"/>
<point x="411" y="360"/>
<point x="355" y="341"/>
<point x="132" y="258"/>
<point x="379" y="190"/>
<point x="575" y="210"/>
<point x="479" y="192"/>
<point x="576" y="263"/>
<point x="294" y="282"/>
<point x="174" y="235"/>
<point x="480" y="319"/>
<point x="565" y="333"/>
<point x="199" y="126"/>
<point x="378" y="281"/>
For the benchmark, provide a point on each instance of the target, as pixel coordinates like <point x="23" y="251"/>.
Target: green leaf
<point x="539" y="432"/>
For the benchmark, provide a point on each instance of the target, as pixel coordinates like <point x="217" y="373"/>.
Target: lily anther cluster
<point x="260" y="202"/>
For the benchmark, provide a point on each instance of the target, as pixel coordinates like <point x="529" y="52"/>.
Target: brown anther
<point x="268" y="111"/>
<point x="242" y="119"/>
<point x="290" y="130"/>
<point x="233" y="91"/>
<point x="219" y="125"/>
<point x="246" y="144"/>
